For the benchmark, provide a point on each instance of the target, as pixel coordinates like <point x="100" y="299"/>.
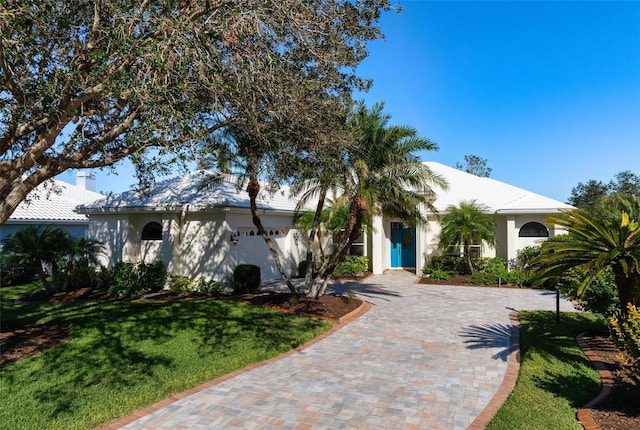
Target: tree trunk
<point x="253" y="188"/>
<point x="467" y="255"/>
<point x="351" y="232"/>
<point x="628" y="289"/>
<point x="308" y="276"/>
<point x="43" y="277"/>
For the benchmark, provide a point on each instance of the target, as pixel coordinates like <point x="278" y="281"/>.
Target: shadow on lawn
<point x="121" y="344"/>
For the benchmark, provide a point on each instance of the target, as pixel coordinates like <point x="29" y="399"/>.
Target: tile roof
<point x="187" y="193"/>
<point x="54" y="200"/>
<point x="499" y="197"/>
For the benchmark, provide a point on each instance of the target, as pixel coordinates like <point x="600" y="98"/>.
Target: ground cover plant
<point x="555" y="376"/>
<point x="121" y="355"/>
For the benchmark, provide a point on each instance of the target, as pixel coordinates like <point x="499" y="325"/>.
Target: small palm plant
<point x="465" y="225"/>
<point x="51" y="251"/>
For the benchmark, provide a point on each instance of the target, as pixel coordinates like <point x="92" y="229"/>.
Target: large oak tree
<point x="88" y="83"/>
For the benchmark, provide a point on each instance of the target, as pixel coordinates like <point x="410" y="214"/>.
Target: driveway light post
<point x="557" y="303"/>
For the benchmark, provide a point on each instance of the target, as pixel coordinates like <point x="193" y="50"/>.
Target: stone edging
<point x="114" y="425"/>
<point x="509" y="380"/>
<point x="606" y="380"/>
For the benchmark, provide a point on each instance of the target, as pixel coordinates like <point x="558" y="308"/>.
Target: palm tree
<point x="465" y="225"/>
<point x="380" y="174"/>
<point x="41" y="248"/>
<point x="608" y="236"/>
<point x="81" y="252"/>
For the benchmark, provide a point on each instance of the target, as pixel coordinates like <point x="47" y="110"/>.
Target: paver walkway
<point x="427" y="357"/>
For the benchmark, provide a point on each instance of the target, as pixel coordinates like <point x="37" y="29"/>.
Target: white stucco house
<point x="54" y="203"/>
<point x="196" y="232"/>
<point x="520" y="219"/>
<point x="206" y="233"/>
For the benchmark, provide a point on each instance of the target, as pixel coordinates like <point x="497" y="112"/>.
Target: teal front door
<point x="403" y="246"/>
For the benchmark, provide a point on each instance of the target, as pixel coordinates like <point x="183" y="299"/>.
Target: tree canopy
<point x="593" y="192"/>
<point x="86" y="84"/>
<point x="475" y="165"/>
<point x="378" y="174"/>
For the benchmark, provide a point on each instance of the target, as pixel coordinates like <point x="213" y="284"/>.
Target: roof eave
<point x="529" y="211"/>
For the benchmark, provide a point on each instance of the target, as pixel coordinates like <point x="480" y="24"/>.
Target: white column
<point x="378" y="243"/>
<point x="511" y="237"/>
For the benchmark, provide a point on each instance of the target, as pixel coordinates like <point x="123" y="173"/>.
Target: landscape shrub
<point x="601" y="296"/>
<point x="520" y="277"/>
<point x="14" y="273"/>
<point x="210" y="288"/>
<point x="457" y="265"/>
<point x="83" y="276"/>
<point x="246" y="278"/>
<point x="482" y="264"/>
<point x="436" y="274"/>
<point x="180" y="285"/>
<point x="352" y="265"/>
<point x="498" y="268"/>
<point x="627" y="335"/>
<point x="136" y="279"/>
<point x="183" y="285"/>
<point x="482" y="278"/>
<point x="526" y="254"/>
<point x="302" y="268"/>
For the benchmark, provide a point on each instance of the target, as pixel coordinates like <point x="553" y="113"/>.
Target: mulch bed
<point x="620" y="410"/>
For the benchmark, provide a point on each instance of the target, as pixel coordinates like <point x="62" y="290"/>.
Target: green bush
<point x="601" y="296"/>
<point x="457" y="265"/>
<point x="627" y="335"/>
<point x="183" y="285"/>
<point x="210" y="288"/>
<point x="520" y="277"/>
<point x="302" y="268"/>
<point x="498" y="268"/>
<point x="14" y="273"/>
<point x="83" y="276"/>
<point x="352" y="265"/>
<point x="180" y="284"/>
<point x="136" y="279"/>
<point x="482" y="278"/>
<point x="526" y="254"/>
<point x="246" y="278"/>
<point x="437" y="274"/>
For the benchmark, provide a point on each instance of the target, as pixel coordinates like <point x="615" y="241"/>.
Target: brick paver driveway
<point x="423" y="357"/>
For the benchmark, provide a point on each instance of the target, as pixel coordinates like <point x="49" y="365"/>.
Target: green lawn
<point x="555" y="377"/>
<point x="124" y="355"/>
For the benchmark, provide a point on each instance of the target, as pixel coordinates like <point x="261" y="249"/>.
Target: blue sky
<point x="547" y="91"/>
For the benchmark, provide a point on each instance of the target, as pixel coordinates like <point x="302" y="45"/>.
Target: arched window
<point x="152" y="231"/>
<point x="533" y="229"/>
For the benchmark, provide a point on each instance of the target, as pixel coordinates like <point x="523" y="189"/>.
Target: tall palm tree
<point x="380" y="174"/>
<point x="608" y="236"/>
<point x="465" y="225"/>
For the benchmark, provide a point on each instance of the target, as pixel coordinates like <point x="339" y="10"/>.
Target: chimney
<point x="86" y="180"/>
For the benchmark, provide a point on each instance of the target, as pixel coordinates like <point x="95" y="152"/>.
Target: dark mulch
<point x="23" y="342"/>
<point x="620" y="410"/>
<point x="328" y="307"/>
